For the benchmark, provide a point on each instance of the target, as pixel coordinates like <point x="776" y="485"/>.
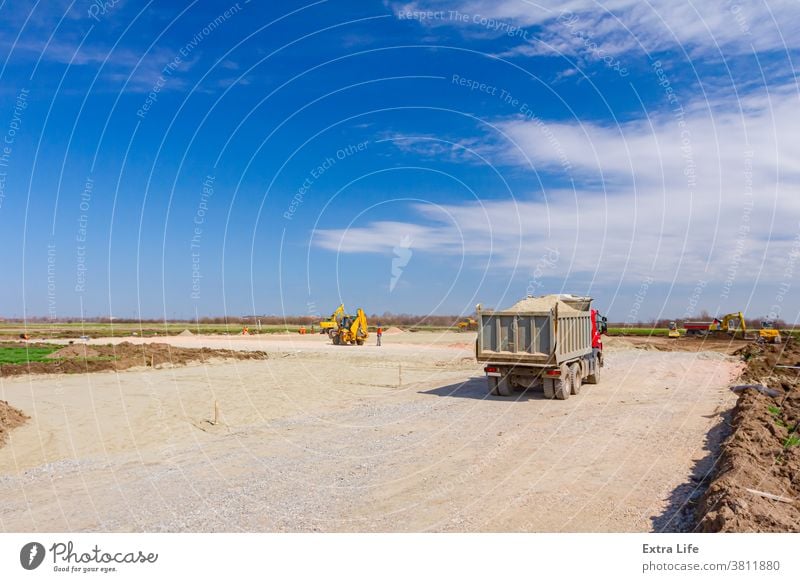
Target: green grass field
<point x="12" y="330"/>
<point x="638" y="331"/>
<point x="24" y="355"/>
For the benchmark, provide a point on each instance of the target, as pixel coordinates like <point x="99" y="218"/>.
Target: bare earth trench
<point x="339" y="438"/>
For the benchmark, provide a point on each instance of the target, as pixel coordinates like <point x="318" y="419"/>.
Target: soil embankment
<point x="756" y="487"/>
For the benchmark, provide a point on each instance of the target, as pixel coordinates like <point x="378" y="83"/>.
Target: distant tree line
<point x="385" y="319"/>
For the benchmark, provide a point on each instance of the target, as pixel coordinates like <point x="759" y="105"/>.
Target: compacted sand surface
<point x="319" y="437"/>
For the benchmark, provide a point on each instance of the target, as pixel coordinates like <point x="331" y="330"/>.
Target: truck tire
<point x="594" y="378"/>
<point x="548" y="386"/>
<point x="563" y="386"/>
<point x="575" y="378"/>
<point x="500" y="386"/>
<point x="504" y="387"/>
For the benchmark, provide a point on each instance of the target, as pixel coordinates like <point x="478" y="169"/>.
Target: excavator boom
<point x="326" y="325"/>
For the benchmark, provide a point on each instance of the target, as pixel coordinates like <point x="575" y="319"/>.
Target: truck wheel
<point x="504" y="387"/>
<point x="575" y="378"/>
<point x="360" y="342"/>
<point x="499" y="386"/>
<point x="563" y="386"/>
<point x="548" y="386"/>
<point x="594" y="378"/>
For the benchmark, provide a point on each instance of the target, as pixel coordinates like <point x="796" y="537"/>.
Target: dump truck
<point x="697" y="328"/>
<point x="553" y="342"/>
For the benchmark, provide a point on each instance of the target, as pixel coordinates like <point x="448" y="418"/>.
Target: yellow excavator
<point x="468" y="324"/>
<point x="769" y="333"/>
<point x="329" y="325"/>
<point x="351" y="330"/>
<point x="730" y="325"/>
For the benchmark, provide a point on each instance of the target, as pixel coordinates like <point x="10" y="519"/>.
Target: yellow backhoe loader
<point x="351" y="330"/>
<point x="468" y="324"/>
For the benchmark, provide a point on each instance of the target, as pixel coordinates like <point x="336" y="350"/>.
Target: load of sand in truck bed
<point x="565" y="303"/>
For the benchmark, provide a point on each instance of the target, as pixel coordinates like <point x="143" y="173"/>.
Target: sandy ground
<point x="340" y="438"/>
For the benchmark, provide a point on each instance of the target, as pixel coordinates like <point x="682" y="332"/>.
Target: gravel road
<point x="334" y="438"/>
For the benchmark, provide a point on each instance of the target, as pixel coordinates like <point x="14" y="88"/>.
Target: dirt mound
<point x="392" y="331"/>
<point x="76" y="359"/>
<point x="10" y="418"/>
<point x="757" y="484"/>
<point x="762" y="359"/>
<point x="186" y="332"/>
<point x="74" y="351"/>
<point x="613" y="341"/>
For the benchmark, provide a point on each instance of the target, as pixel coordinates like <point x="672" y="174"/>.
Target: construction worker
<point x="378" y="334"/>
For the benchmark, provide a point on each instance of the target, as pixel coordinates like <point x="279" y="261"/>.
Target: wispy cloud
<point x="432" y="146"/>
<point x="694" y="196"/>
<point x="138" y="72"/>
<point x="708" y="27"/>
<point x="61" y="32"/>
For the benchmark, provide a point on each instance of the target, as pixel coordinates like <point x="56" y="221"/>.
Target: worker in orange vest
<point x="379" y="333"/>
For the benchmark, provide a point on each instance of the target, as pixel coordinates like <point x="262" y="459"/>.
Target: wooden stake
<point x="771" y="496"/>
<point x="216" y="412"/>
<point x="399" y="375"/>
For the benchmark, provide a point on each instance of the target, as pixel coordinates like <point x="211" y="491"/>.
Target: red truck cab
<point x="599" y="327"/>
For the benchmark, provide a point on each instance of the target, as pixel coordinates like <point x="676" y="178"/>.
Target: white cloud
<point x="645" y="204"/>
<point x="732" y="27"/>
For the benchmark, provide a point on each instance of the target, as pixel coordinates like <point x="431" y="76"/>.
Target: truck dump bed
<point x="536" y="331"/>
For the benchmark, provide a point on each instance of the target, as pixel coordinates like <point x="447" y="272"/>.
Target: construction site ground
<point x="403" y="437"/>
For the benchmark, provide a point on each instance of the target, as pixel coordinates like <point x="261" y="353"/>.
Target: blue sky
<point x="172" y="160"/>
